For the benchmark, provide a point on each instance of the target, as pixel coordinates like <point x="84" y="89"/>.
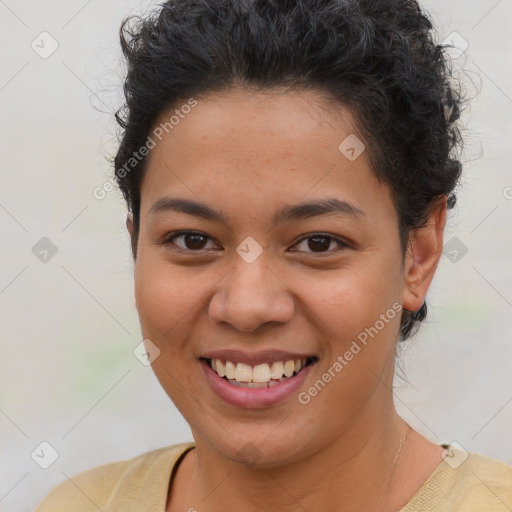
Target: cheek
<point x="163" y="294"/>
<point x="166" y="299"/>
<point x="358" y="314"/>
<point x="352" y="299"/>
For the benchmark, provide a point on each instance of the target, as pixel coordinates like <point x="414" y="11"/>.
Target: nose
<point x="251" y="294"/>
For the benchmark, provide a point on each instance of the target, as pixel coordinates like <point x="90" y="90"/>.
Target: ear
<point x="423" y="254"/>
<point x="133" y="235"/>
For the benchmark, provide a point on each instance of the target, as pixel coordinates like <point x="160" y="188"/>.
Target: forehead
<point x="259" y="119"/>
<point x="274" y="144"/>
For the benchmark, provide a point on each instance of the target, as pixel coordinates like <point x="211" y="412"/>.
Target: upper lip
<point x="255" y="358"/>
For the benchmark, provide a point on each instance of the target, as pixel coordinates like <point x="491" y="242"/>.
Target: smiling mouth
<point x="260" y="375"/>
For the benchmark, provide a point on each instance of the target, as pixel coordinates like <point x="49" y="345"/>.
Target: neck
<point x="356" y="471"/>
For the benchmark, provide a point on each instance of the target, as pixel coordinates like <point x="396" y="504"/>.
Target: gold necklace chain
<point x="401" y="445"/>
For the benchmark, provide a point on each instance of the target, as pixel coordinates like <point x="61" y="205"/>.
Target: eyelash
<point x="342" y="245"/>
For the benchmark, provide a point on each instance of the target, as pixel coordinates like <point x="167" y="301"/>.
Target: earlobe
<point x="131" y="229"/>
<point x="129" y="223"/>
<point x="423" y="254"/>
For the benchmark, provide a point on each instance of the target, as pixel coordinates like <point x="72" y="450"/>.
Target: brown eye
<point x="193" y="241"/>
<point x="319" y="243"/>
<point x="190" y="241"/>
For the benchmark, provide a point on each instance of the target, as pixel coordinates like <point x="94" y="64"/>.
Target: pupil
<point x="316" y="245"/>
<point x="194" y="241"/>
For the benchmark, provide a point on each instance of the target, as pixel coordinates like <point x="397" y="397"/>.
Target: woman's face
<point x="264" y="281"/>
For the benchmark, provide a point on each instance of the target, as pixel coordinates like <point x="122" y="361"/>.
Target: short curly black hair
<point x="377" y="57"/>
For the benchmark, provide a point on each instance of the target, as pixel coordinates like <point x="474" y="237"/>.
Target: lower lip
<point x="252" y="398"/>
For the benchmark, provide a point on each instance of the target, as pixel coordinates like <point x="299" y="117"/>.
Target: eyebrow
<point x="289" y="213"/>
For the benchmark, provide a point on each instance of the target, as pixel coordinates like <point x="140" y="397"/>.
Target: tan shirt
<point x="141" y="484"/>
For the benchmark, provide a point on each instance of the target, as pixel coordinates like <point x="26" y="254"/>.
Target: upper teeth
<point x="259" y="373"/>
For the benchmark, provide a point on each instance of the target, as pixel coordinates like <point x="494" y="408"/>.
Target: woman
<point x="288" y="167"/>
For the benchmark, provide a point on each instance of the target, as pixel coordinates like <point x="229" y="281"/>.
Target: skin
<point x="249" y="153"/>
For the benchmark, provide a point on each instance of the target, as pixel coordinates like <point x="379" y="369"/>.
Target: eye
<point x="320" y="243"/>
<point x="190" y="240"/>
<point x="195" y="241"/>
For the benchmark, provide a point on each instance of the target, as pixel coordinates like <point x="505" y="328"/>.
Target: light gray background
<point x="68" y="326"/>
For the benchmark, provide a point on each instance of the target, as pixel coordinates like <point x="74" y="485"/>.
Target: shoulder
<point x="107" y="484"/>
<point x="465" y="481"/>
<point x="484" y="483"/>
